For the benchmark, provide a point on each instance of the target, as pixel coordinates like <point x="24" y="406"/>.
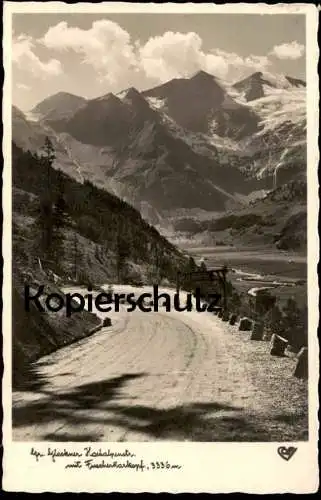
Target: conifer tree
<point x="47" y="157"/>
<point x="122" y="251"/>
<point x="52" y="215"/>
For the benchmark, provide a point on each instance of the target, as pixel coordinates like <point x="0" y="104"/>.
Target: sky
<point x="93" y="54"/>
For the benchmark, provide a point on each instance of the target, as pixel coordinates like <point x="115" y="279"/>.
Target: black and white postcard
<point x="160" y="204"/>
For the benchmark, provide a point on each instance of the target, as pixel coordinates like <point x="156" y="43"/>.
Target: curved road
<point x="162" y="376"/>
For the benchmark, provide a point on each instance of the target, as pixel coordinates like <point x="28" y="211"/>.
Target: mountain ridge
<point x="61" y="104"/>
<point x="154" y="150"/>
<point x="253" y="86"/>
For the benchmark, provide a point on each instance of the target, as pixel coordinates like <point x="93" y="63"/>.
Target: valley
<point x="284" y="273"/>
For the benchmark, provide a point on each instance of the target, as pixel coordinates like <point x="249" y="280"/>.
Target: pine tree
<point x="264" y="302"/>
<point x="122" y="252"/>
<point x="44" y="225"/>
<point x="203" y="266"/>
<point x="158" y="264"/>
<point x="60" y="220"/>
<point x="48" y="157"/>
<point x="75" y="256"/>
<point x="52" y="215"/>
<point x="188" y="271"/>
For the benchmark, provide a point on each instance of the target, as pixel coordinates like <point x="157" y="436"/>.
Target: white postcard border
<point x="207" y="467"/>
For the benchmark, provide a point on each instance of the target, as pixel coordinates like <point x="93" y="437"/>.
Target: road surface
<point x="162" y="376"/>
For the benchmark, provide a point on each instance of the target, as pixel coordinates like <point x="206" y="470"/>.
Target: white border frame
<point x="208" y="467"/>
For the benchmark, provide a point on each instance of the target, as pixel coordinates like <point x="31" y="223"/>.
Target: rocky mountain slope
<point x="258" y="85"/>
<point x="201" y="104"/>
<point x="141" y="161"/>
<point x="58" y="106"/>
<point x="29" y="135"/>
<point x="191" y="143"/>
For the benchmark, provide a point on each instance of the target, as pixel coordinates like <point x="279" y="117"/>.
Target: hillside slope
<point x="278" y="220"/>
<point x="101" y="220"/>
<point x="36" y="334"/>
<point x="99" y="239"/>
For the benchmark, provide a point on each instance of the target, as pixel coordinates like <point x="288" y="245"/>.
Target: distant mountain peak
<point x="296" y="82"/>
<point x="136" y="102"/>
<point x="17" y="111"/>
<point x="201" y="74"/>
<point x="131" y="91"/>
<point x="202" y="102"/>
<point x="62" y="104"/>
<point x="131" y="95"/>
<point x="109" y="97"/>
<point x="60" y="96"/>
<point x="62" y="93"/>
<point x="253" y="85"/>
<point x="208" y="82"/>
<point x="258" y="76"/>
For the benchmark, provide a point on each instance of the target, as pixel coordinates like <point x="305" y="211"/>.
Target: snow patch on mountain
<point x="280" y="107"/>
<point x="122" y="94"/>
<point x="32" y="117"/>
<point x="156" y="103"/>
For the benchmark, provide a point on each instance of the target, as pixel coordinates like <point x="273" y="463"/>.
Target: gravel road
<point x="162" y="376"/>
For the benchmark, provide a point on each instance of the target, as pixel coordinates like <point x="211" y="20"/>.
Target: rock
<point x="278" y="345"/>
<point x="245" y="325"/>
<point x="301" y="369"/>
<point x="267" y="335"/>
<point x="107" y="322"/>
<point x="258" y="331"/>
<point x="292" y="351"/>
<point x="233" y="319"/>
<point x="225" y="316"/>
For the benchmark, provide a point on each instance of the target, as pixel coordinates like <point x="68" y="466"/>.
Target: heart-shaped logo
<point x="286" y="452"/>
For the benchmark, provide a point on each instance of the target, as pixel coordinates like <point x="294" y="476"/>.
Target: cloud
<point x="293" y="50"/>
<point x="108" y="48"/>
<point x="24" y="57"/>
<point x="180" y="54"/>
<point x="175" y="55"/>
<point x="239" y="67"/>
<point x="122" y="62"/>
<point x="105" y="46"/>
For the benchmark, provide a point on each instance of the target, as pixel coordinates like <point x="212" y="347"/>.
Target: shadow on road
<point x="100" y="405"/>
<point x="29" y="378"/>
<point x="62" y="406"/>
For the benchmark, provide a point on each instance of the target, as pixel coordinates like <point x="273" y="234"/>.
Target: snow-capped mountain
<point x="201" y="104"/>
<point x="260" y="84"/>
<point x="189" y="143"/>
